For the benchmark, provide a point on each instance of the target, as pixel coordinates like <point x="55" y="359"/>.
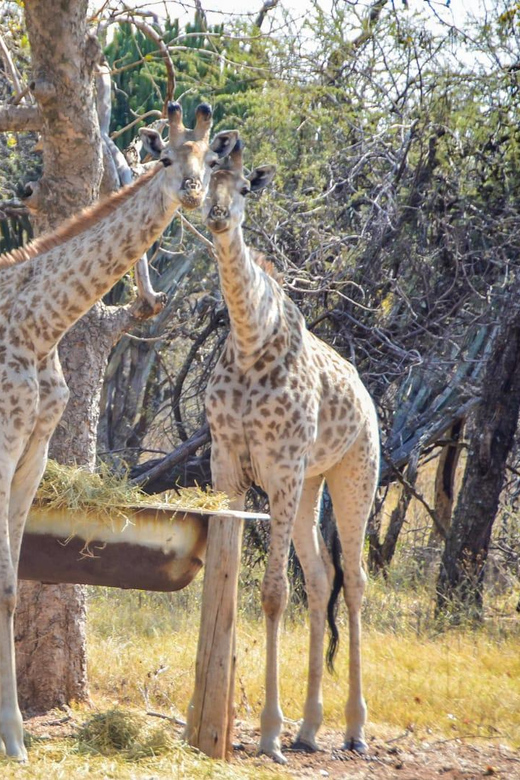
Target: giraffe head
<point x="224" y="204"/>
<point x="188" y="155"/>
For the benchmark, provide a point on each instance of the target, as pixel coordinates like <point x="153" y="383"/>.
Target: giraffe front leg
<point x="19" y="419"/>
<point x="54" y="395"/>
<point x="283" y="500"/>
<point x="275" y="589"/>
<point x="307" y="541"/>
<point x="11" y="724"/>
<point x="23" y="486"/>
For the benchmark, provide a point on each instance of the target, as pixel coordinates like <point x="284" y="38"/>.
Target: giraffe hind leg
<point x="352" y="483"/>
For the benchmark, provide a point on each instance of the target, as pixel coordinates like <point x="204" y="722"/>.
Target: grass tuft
<point x="126" y="733"/>
<point x="110" y="731"/>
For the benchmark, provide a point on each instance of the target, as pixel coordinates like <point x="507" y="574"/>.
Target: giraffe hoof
<point x="277" y="755"/>
<point x="300" y="746"/>
<point x="356" y="746"/>
<point x="17" y="756"/>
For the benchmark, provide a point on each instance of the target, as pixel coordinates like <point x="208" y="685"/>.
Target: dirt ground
<point x="402" y="757"/>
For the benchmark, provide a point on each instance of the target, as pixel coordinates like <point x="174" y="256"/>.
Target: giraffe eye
<point x="244" y="191"/>
<point x="212" y="163"/>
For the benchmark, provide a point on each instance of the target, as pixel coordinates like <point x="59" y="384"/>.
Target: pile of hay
<point x="79" y="490"/>
<point x="127" y="733"/>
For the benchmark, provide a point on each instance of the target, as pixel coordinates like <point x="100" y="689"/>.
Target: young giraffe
<point x="44" y="289"/>
<point x="286" y="411"/>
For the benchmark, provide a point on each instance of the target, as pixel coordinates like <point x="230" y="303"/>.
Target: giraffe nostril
<point x="192" y="185"/>
<point x="218" y="212"/>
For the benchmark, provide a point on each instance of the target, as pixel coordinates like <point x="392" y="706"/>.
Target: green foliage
<point x="18" y="161"/>
<point x="208" y="66"/>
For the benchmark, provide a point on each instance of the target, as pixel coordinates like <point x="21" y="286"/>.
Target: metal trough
<point x="154" y="548"/>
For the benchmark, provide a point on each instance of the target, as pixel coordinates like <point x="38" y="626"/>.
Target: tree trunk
<point x="460" y="583"/>
<point x="383" y="553"/>
<point x="445" y="483"/>
<point x="374" y="531"/>
<point x="50" y="621"/>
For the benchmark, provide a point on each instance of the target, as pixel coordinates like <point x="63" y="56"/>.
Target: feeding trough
<point x="96" y="529"/>
<point x="148" y="548"/>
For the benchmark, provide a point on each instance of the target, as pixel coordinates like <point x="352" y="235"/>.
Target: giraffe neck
<point x="253" y="298"/>
<point x="63" y="282"/>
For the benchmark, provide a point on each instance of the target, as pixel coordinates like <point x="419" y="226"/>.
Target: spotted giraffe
<point x="286" y="412"/>
<point x="44" y="289"/>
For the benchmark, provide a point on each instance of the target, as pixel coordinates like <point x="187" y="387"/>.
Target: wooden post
<point x="211" y="711"/>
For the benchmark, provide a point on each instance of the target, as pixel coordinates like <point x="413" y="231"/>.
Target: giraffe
<point x="44" y="289"/>
<point x="287" y="412"/>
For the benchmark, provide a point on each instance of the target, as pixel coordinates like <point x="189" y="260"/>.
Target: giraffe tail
<point x="332" y="607"/>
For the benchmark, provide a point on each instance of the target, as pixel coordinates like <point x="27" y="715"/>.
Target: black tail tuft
<point x="337" y="587"/>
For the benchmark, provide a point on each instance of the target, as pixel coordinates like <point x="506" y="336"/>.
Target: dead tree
<point x="460" y="583"/>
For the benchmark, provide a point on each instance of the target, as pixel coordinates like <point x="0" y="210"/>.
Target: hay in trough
<point x="103" y="493"/>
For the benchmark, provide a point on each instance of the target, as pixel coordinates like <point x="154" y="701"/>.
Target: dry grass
<point x="74" y="488"/>
<point x="62" y="760"/>
<point x="455" y="684"/>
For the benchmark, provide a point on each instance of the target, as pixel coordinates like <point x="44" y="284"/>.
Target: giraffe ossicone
<point x="286" y="412"/>
<point x="44" y="289"/>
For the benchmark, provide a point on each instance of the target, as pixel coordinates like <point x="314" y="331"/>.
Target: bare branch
<point x="418" y="496"/>
<point x="191" y="227"/>
<point x="269" y="5"/>
<point x="10" y="68"/>
<point x="187" y="448"/>
<point x="177" y="721"/>
<point x="13" y="208"/>
<point x="156" y="114"/>
<point x="183" y="373"/>
<point x="18" y="119"/>
<point x="336" y="63"/>
<point x="154" y="36"/>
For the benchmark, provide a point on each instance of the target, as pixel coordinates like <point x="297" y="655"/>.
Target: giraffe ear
<point x="224" y="142"/>
<point x="152" y="141"/>
<point x="261" y="177"/>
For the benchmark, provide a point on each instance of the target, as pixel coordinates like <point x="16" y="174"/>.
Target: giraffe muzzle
<point x="218" y="219"/>
<point x="191" y="193"/>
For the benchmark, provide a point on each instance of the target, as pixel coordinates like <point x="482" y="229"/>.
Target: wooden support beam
<point x="211" y="712"/>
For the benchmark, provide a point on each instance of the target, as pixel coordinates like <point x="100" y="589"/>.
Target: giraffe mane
<point x="267" y="266"/>
<point x="77" y="224"/>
